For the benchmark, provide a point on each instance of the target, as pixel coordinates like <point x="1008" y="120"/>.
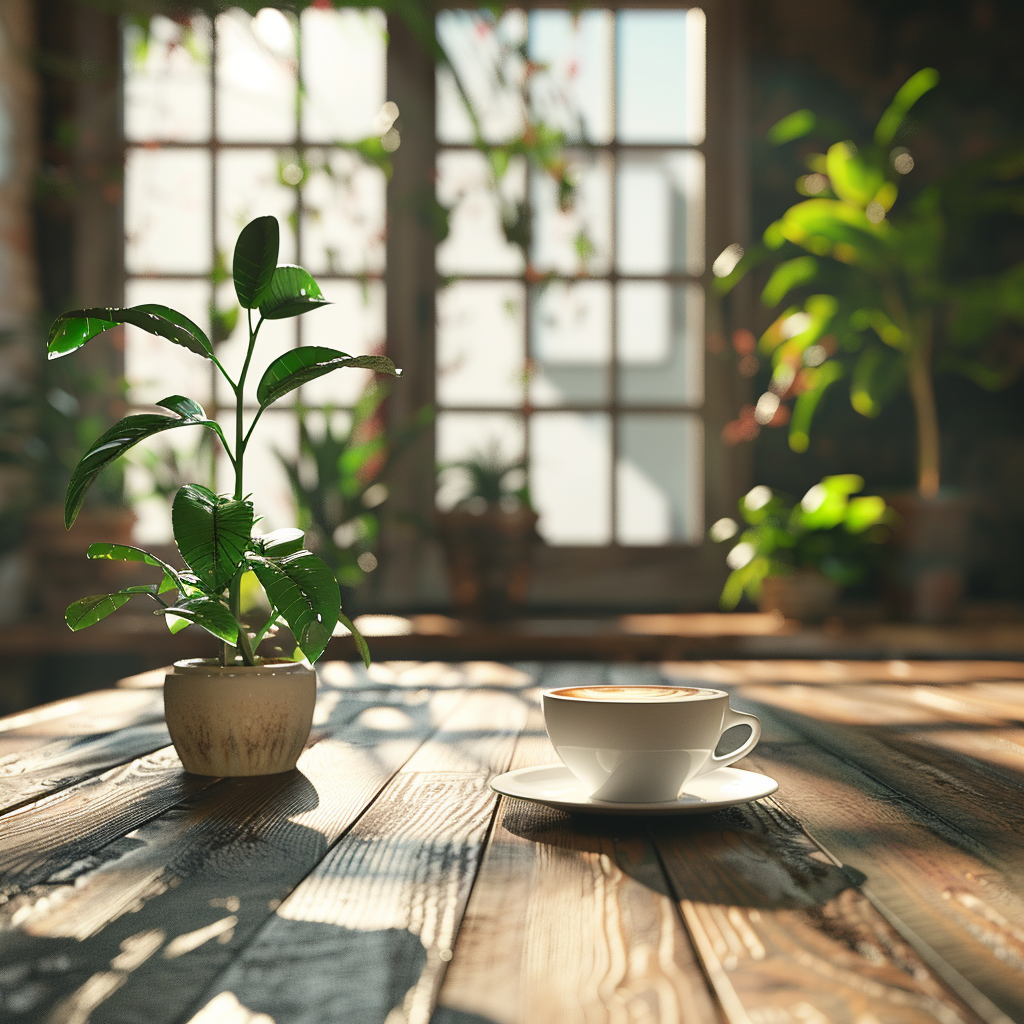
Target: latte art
<point x="634" y="694"/>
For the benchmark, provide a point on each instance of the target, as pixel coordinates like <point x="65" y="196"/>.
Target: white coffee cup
<point x="642" y="744"/>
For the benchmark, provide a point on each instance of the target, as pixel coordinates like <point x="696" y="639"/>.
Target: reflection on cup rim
<point x="635" y="694"/>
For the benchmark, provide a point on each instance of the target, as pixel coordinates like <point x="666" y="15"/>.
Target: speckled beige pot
<point x="239" y="720"/>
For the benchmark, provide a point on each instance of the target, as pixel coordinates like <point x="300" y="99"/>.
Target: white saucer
<point x="555" y="786"/>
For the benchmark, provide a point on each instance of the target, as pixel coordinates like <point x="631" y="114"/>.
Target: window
<point x="230" y="119"/>
<point x="570" y="322"/>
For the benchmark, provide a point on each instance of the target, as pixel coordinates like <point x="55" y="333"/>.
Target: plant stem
<point x="235" y="604"/>
<point x="922" y="392"/>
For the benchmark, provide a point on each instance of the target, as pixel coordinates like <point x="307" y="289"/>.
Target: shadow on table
<point x="749" y="856"/>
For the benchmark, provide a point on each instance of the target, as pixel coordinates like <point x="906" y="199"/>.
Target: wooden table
<point x="385" y="881"/>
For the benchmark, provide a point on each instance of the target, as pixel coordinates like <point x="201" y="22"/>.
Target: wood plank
<point x="96" y="712"/>
<point x="368" y="935"/>
<point x="570" y="920"/>
<point x="49" y="835"/>
<point x="44" y="769"/>
<point x="966" y="769"/>
<point x="135" y="932"/>
<point x="783" y="932"/>
<point x="932" y="879"/>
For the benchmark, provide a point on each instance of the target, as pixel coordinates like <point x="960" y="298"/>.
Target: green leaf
<point x="852" y="178"/>
<point x="71" y="330"/>
<point x="130" y="553"/>
<point x="279" y="543"/>
<point x="865" y="512"/>
<point x="255" y="260"/>
<point x="207" y="612"/>
<point x="122" y="436"/>
<point x="305" y="592"/>
<point x="787" y="276"/>
<point x="89" y="610"/>
<point x="792" y="126"/>
<point x="291" y="291"/>
<point x="212" y="533"/>
<point x="909" y="93"/>
<point x="301" y="365"/>
<point x="820" y="379"/>
<point x="360" y="640"/>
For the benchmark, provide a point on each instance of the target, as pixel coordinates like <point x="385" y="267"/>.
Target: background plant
<point x="336" y="480"/>
<point x="827" y="530"/>
<point x="214" y="532"/>
<point x="879" y="297"/>
<point x="487" y="479"/>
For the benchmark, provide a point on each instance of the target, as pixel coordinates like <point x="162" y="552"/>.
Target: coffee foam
<point x="632" y="694"/>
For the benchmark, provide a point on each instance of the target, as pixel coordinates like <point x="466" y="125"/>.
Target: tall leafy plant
<point x="214" y="532"/>
<point x="866" y="288"/>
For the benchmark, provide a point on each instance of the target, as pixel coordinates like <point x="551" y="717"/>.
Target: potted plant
<point x="881" y="303"/>
<point x="336" y="480"/>
<point x="239" y="714"/>
<point x="489" y="535"/>
<point x="795" y="557"/>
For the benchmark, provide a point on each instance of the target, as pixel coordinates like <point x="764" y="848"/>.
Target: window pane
<point x="660" y="76"/>
<point x="571" y="343"/>
<point x="256" y="77"/>
<point x="574" y="94"/>
<point x="570" y="455"/>
<point x="476" y="242"/>
<point x="465" y="436"/>
<point x="343" y="215"/>
<point x="577" y="240"/>
<point x="354" y="322"/>
<point x="343" y="54"/>
<point x="660" y="213"/>
<point x="277" y="434"/>
<point x="154" y="367"/>
<point x="167" y="81"/>
<point x="659" y="479"/>
<point x="248" y="186"/>
<point x="660" y="343"/>
<point x="480" y="344"/>
<point x="487" y="58"/>
<point x="167" y="212"/>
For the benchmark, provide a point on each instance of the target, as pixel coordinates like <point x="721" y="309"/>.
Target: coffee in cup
<point x="642" y="744"/>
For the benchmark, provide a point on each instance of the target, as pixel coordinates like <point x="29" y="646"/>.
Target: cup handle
<point x="735" y="718"/>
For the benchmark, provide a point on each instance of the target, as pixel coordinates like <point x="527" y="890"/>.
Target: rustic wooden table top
<point x="385" y="882"/>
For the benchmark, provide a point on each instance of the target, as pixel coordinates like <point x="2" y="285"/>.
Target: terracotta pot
<point x="239" y="720"/>
<point x="926" y="576"/>
<point x="489" y="558"/>
<point x="806" y="595"/>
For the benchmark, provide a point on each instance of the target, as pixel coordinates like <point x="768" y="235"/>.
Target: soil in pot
<point x="241" y="719"/>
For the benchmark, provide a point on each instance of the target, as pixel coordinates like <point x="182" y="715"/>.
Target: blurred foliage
<point x="875" y="292"/>
<point x="489" y="479"/>
<point x="336" y="479"/>
<point x="827" y="530"/>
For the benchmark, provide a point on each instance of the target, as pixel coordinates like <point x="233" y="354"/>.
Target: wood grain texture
<point x="367" y="936"/>
<point x="60" y="763"/>
<point x="570" y="921"/>
<point x="98" y="712"/>
<point x="782" y="930"/>
<point x="935" y="880"/>
<point x="137" y="931"/>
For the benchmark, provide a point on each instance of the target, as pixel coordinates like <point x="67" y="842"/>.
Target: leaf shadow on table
<point x="750" y="856"/>
<point x="157" y="938"/>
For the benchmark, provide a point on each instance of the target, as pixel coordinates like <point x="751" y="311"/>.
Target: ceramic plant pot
<point x="239" y="720"/>
<point x="806" y="595"/>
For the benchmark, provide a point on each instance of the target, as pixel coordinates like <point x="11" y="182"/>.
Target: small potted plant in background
<point x="489" y="534"/>
<point x="336" y="481"/>
<point x="796" y="557"/>
<point x="876" y="291"/>
<point x="239" y="714"/>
